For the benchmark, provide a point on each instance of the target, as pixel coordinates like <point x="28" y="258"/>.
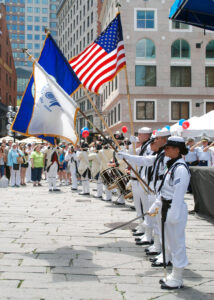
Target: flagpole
<point x="118" y="5"/>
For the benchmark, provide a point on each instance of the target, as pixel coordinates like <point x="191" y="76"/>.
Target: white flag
<point x="54" y="112"/>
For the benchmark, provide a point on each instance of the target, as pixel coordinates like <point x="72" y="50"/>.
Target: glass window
<point x="29" y="9"/>
<point x="146" y="19"/>
<point x="209" y="76"/>
<point x="36" y="9"/>
<point x="145" y="48"/>
<point x="29" y="45"/>
<point x="145" y="75"/>
<point x="29" y="1"/>
<point x="29" y="18"/>
<point x="210" y="50"/>
<point x="180" y="49"/>
<point x="44" y="1"/>
<point x="36" y="27"/>
<point x="37" y="1"/>
<point x="180" y="76"/>
<point x="53" y="16"/>
<point x="209" y="106"/>
<point x="118" y="112"/>
<point x="53" y="24"/>
<point x="29" y="36"/>
<point x="21" y="27"/>
<point x="14" y="27"/>
<point x="37" y="46"/>
<point x="179" y="110"/>
<point x="145" y="110"/>
<point x="44" y="10"/>
<point x="21" y="37"/>
<point x="53" y="7"/>
<point x="177" y="25"/>
<point x="44" y="19"/>
<point x="37" y="37"/>
<point x="37" y="19"/>
<point x="29" y="27"/>
<point x="21" y="19"/>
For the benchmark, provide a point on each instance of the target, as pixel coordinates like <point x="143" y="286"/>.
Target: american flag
<point x="103" y="59"/>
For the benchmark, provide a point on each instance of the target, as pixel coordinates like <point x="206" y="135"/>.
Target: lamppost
<point x="10" y="117"/>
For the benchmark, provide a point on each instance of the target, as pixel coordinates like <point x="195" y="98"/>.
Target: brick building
<point x="8" y="90"/>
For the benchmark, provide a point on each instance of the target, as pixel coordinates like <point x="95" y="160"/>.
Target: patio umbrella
<point x="198" y="13"/>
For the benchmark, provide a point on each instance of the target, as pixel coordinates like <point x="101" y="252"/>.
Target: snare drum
<point x="121" y="184"/>
<point x="109" y="177"/>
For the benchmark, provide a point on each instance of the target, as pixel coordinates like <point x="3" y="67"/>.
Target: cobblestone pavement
<point x="50" y="248"/>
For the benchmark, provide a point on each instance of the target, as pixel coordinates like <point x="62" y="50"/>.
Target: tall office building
<point x="78" y="27"/>
<point x="170" y="67"/>
<point x="26" y="21"/>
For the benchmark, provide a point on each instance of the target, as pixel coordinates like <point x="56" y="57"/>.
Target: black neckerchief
<point x="169" y="166"/>
<point x="170" y="162"/>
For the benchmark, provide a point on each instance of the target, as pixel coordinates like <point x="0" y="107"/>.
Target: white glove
<point x="156" y="205"/>
<point x="119" y="155"/>
<point x="133" y="139"/>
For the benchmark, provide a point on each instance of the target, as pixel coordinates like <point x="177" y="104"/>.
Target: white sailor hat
<point x="177" y="141"/>
<point x="205" y="138"/>
<point x="144" y="130"/>
<point x="163" y="132"/>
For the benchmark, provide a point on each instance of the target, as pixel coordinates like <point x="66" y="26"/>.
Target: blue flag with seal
<point x="57" y="67"/>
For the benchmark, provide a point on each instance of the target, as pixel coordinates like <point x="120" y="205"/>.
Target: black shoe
<point x="138" y="233"/>
<point x="137" y="239"/>
<point x="84" y="194"/>
<point x="164" y="286"/>
<point x="96" y="197"/>
<point x="73" y="189"/>
<point x="152" y="260"/>
<point x="146" y="250"/>
<point x="56" y="190"/>
<point x="152" y="253"/>
<point x="161" y="281"/>
<point x="134" y="230"/>
<point x="156" y="264"/>
<point x="143" y="243"/>
<point x="50" y="190"/>
<point x="118" y="203"/>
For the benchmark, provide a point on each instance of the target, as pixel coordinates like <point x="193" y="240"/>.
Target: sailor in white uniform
<point x="203" y="153"/>
<point x="173" y="208"/>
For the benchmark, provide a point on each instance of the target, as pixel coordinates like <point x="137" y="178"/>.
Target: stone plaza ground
<point x="50" y="248"/>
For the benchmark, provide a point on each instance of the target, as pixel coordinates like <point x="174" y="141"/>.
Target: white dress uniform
<point x="171" y="192"/>
<point x="52" y="166"/>
<point x="105" y="156"/>
<point x="84" y="170"/>
<point x="204" y="158"/>
<point x="71" y="158"/>
<point x="95" y="172"/>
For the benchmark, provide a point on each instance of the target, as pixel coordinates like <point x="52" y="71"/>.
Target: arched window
<point x="180" y="49"/>
<point x="145" y="48"/>
<point x="210" y="50"/>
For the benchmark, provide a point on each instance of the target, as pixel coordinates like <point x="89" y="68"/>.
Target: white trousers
<point x="136" y="197"/>
<point x="85" y="185"/>
<point x="74" y="177"/>
<point x="28" y="172"/>
<point x="52" y="173"/>
<point x="145" y="203"/>
<point x="99" y="187"/>
<point x="175" y="240"/>
<point x="15" y="176"/>
<point x="108" y="194"/>
<point x="155" y="223"/>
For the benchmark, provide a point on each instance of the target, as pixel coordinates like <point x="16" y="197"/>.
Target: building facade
<point x="170" y="67"/>
<point x="8" y="91"/>
<point x="26" y="21"/>
<point x="79" y="26"/>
